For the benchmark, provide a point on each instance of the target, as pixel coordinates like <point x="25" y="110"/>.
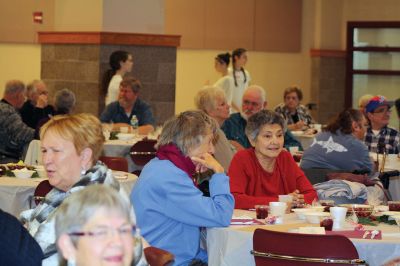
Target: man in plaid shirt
<point x="379" y="137"/>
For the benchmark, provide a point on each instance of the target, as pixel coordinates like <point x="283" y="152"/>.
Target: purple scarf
<point x="172" y="153"/>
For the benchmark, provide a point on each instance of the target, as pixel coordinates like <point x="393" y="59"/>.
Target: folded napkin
<point x="242" y="221"/>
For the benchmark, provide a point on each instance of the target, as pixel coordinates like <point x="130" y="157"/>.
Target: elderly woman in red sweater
<point x="261" y="173"/>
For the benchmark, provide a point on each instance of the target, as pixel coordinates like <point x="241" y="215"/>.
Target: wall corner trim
<point x="63" y="37"/>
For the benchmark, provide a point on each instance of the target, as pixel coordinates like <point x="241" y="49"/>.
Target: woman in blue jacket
<point x="169" y="207"/>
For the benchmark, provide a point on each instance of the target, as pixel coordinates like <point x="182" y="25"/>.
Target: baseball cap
<point x="376" y="102"/>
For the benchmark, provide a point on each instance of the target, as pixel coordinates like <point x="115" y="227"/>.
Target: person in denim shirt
<point x="129" y="104"/>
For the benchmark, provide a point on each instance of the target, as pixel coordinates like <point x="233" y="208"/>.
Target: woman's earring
<point x="83" y="170"/>
<point x="71" y="262"/>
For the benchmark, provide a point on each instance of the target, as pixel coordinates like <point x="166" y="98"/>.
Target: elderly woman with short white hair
<point x="260" y="174"/>
<point x="170" y="209"/>
<point x="213" y="102"/>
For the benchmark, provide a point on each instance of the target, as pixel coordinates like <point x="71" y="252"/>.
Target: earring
<point x="71" y="262"/>
<point x="83" y="170"/>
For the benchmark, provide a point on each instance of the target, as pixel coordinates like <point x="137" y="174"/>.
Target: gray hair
<point x="64" y="101"/>
<point x="260" y="119"/>
<point x="259" y="89"/>
<point x="206" y="98"/>
<point x="187" y="130"/>
<point x="77" y="209"/>
<point x="31" y="87"/>
<point x="14" y="87"/>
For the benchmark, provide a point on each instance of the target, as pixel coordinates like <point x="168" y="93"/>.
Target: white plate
<point x="297" y="133"/>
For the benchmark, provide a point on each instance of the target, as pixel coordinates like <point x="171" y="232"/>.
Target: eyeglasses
<point x="104" y="233"/>
<point x="383" y="110"/>
<point x="254" y="104"/>
<point x="290" y="97"/>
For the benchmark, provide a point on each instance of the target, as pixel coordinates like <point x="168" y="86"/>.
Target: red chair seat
<point x="115" y="163"/>
<point x="301" y="245"/>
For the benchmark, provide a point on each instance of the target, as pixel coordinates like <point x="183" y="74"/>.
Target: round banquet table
<point x="231" y="246"/>
<point x="16" y="193"/>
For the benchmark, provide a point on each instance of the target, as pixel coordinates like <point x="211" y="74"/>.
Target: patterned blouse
<point x="300" y="115"/>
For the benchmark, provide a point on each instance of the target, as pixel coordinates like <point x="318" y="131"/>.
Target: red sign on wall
<point x="38" y="17"/>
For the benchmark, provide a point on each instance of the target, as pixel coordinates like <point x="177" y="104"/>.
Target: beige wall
<point x="88" y="17"/>
<point x="136" y="16"/>
<point x="19" y="61"/>
<point x="272" y="71"/>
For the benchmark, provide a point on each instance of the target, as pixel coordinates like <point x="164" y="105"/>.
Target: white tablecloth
<point x="15" y="193"/>
<point x="305" y="140"/>
<point x="230" y="247"/>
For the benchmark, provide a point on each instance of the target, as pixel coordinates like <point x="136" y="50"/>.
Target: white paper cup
<point x="338" y="215"/>
<point x="278" y="209"/>
<point x="294" y="149"/>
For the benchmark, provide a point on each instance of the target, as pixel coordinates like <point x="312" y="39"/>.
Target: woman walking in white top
<point x="226" y="82"/>
<point x="121" y="62"/>
<point x="240" y="76"/>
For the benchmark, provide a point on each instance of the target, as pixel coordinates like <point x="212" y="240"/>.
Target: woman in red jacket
<point x="261" y="173"/>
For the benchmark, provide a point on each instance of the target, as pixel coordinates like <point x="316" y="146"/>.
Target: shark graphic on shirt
<point x="330" y="145"/>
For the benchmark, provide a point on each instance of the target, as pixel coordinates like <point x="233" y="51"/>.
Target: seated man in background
<point x="129" y="109"/>
<point x="253" y="101"/>
<point x="379" y="137"/>
<point x="212" y="101"/>
<point x="14" y="133"/>
<point x="64" y="103"/>
<point x="36" y="106"/>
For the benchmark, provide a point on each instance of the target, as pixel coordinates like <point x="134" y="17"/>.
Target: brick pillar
<point x="77" y="61"/>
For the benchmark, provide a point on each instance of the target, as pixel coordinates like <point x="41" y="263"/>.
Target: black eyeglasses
<point x="383" y="110"/>
<point x="103" y="233"/>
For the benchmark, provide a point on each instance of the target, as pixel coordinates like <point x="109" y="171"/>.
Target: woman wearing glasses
<point x="295" y="114"/>
<point x="95" y="227"/>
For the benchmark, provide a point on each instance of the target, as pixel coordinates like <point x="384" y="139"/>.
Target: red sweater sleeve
<point x="302" y="182"/>
<point x="238" y="173"/>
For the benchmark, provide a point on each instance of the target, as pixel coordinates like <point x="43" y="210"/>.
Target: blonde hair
<point x="83" y="130"/>
<point x="363" y="100"/>
<point x="206" y="98"/>
<point x="187" y="130"/>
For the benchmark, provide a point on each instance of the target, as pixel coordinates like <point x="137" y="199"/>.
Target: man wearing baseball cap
<point x="379" y="137"/>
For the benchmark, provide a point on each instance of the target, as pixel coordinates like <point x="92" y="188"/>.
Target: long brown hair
<point x="344" y="121"/>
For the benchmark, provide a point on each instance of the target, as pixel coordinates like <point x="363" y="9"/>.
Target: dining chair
<point x="142" y="152"/>
<point x="115" y="163"/>
<point x="280" y="248"/>
<point x="158" y="257"/>
<point x="40" y="192"/>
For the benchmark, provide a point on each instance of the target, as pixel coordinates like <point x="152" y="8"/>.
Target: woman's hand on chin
<point x="207" y="161"/>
